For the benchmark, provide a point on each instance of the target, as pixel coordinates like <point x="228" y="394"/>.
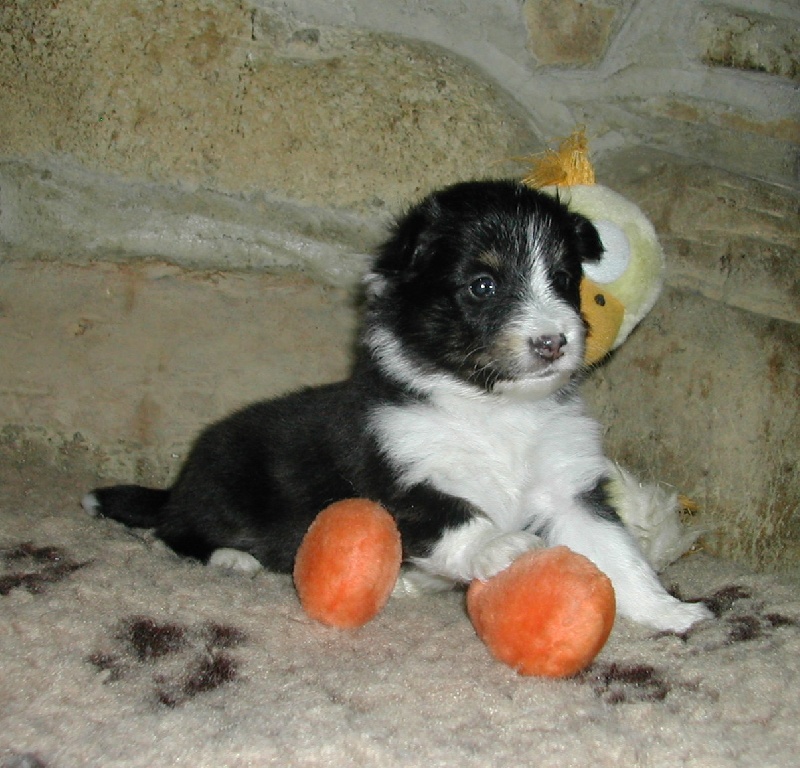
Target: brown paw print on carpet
<point x="34" y="568"/>
<point x="181" y="661"/>
<point x="740" y="617"/>
<point x="21" y="760"/>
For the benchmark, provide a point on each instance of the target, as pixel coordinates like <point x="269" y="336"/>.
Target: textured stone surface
<point x="750" y="41"/>
<point x="217" y="94"/>
<point x="60" y="210"/>
<point x="327" y="99"/>
<point x="650" y="79"/>
<point x="762" y="148"/>
<point x="567" y="31"/>
<point x="130" y="361"/>
<point x="733" y="239"/>
<point x="706" y="398"/>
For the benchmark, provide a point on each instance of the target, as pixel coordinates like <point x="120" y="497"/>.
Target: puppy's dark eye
<point x="562" y="280"/>
<point x="483" y="287"/>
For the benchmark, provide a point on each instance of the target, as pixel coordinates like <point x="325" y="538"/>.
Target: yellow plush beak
<point x="604" y="315"/>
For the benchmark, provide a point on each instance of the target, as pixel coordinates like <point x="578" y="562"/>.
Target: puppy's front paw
<point x="499" y="552"/>
<point x="671" y="615"/>
<point x="413" y="582"/>
<point x="91" y="505"/>
<point x="684" y="615"/>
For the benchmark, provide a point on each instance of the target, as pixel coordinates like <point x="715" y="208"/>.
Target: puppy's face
<point x="481" y="281"/>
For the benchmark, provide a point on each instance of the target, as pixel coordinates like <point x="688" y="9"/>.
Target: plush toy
<point x="348" y="563"/>
<point x="618" y="291"/>
<point x="548" y="614"/>
<point x="552" y="610"/>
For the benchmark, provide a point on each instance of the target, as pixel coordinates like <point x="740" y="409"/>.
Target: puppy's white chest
<point x="505" y="457"/>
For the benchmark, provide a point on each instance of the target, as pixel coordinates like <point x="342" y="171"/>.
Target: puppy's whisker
<point x="479" y="368"/>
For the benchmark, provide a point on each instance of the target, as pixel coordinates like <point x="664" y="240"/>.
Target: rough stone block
<point x="706" y="398"/>
<point x="706" y="130"/>
<point x="221" y="95"/>
<point x="79" y="216"/>
<point x="733" y="239"/>
<point x="130" y="361"/>
<point x="569" y="32"/>
<point x="743" y="39"/>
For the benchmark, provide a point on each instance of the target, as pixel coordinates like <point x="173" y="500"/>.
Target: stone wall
<point x="188" y="193"/>
<point x="706" y="394"/>
<point x="711" y="80"/>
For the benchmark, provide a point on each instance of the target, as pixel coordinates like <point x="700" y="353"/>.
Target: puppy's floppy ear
<point x="410" y="241"/>
<point x="400" y="253"/>
<point x="589" y="244"/>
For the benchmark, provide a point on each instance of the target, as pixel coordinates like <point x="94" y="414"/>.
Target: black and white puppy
<point x="460" y="417"/>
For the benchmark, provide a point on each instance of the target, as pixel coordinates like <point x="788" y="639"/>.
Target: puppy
<point x="461" y="417"/>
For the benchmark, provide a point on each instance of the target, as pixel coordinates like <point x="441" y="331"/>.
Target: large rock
<point x="705" y="396"/>
<point x="733" y="239"/>
<point x="67" y="213"/>
<point x="222" y="95"/>
<point x="127" y="362"/>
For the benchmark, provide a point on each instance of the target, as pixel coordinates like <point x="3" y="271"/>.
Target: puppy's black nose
<point x="548" y="347"/>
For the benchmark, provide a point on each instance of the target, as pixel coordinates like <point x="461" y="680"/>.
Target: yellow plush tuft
<point x="567" y="165"/>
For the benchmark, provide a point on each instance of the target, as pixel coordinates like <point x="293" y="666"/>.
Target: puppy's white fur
<point x="525" y="468"/>
<point x="234" y="560"/>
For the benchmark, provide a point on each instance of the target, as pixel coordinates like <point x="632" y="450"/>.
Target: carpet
<point x="115" y="652"/>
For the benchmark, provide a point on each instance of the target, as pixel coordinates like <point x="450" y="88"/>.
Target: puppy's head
<point x="480" y="283"/>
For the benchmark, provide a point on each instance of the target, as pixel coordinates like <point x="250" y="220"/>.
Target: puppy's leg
<point x="413" y="582"/>
<point x="476" y="550"/>
<point x="595" y="531"/>
<point x="449" y="541"/>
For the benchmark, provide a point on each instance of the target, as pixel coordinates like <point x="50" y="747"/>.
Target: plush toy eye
<point x="483" y="287"/>
<point x="616" y="254"/>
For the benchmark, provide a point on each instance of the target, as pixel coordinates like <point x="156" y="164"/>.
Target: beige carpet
<point x="115" y="652"/>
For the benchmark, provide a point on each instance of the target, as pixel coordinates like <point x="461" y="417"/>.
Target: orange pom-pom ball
<point x="348" y="563"/>
<point x="549" y="613"/>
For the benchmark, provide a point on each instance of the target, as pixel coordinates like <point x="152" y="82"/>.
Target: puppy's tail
<point x="134" y="505"/>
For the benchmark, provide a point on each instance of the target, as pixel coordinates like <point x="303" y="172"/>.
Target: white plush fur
<point x="652" y="514"/>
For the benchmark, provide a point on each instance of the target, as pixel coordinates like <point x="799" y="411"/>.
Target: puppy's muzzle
<point x="549" y="346"/>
